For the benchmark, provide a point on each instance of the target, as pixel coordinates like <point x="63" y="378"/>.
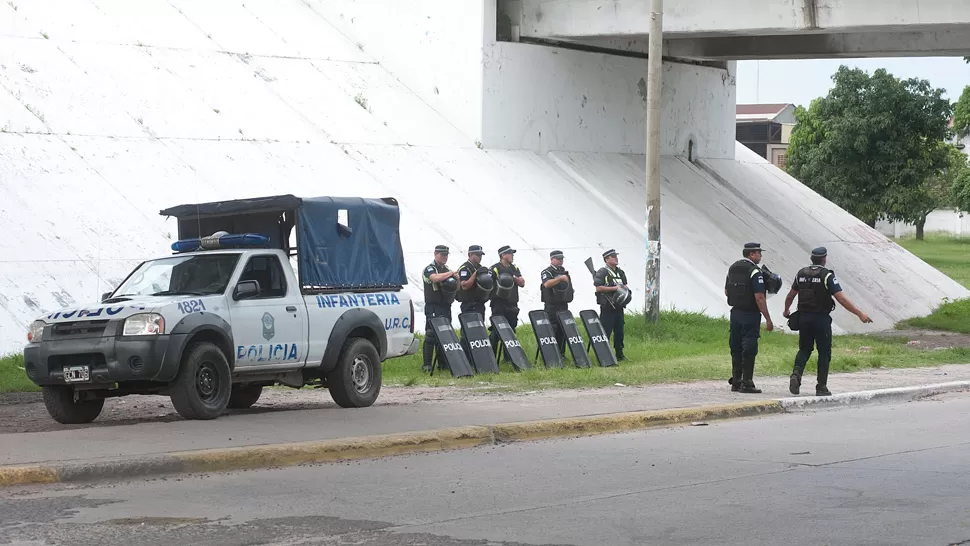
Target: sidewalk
<point x="401" y="410"/>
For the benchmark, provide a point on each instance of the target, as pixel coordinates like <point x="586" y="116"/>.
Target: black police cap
<point x="556" y="254"/>
<point x="608" y="253"/>
<point x="475" y="249"/>
<point x="820" y="251"/>
<point x="504" y="249"/>
<point x="441" y="249"/>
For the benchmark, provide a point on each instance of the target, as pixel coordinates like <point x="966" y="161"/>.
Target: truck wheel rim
<point x="361" y="374"/>
<point x="206" y="381"/>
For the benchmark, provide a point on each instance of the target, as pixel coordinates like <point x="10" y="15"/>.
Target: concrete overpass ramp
<point x="110" y="112"/>
<point x="757" y="29"/>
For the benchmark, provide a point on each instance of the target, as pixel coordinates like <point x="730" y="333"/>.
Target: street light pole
<point x="654" y="70"/>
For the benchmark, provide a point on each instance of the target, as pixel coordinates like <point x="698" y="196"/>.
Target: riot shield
<point x="575" y="341"/>
<point x="510" y="343"/>
<point x="545" y="339"/>
<point x="450" y="349"/>
<point x="475" y="339"/>
<point x="597" y="338"/>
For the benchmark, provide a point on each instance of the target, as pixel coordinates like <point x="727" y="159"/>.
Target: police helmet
<point x="484" y="279"/>
<point x="773" y="280"/>
<point x="505" y="283"/>
<point x="449" y="285"/>
<point x="624" y="296"/>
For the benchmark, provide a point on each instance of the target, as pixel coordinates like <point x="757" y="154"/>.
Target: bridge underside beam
<point x="709" y="18"/>
<point x="947" y="43"/>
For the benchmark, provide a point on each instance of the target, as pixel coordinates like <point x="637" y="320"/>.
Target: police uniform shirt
<point x="548" y="274"/>
<point x="607" y="277"/>
<point x="466" y="270"/>
<point x="498" y="269"/>
<point x="552" y="272"/>
<point x="431" y="288"/>
<point x="831" y="283"/>
<point x="757" y="279"/>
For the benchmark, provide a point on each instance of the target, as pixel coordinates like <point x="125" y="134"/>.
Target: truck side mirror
<point x="245" y="290"/>
<point x="105" y="296"/>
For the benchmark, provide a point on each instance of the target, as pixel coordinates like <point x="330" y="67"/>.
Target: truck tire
<point x="356" y="381"/>
<point x="244" y="396"/>
<point x="61" y="406"/>
<point x="203" y="384"/>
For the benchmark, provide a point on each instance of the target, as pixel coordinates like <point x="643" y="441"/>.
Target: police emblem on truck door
<point x="269" y="326"/>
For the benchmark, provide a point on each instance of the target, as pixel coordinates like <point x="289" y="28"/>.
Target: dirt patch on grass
<point x="928" y="339"/>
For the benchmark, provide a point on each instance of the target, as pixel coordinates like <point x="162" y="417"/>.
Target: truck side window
<point x="266" y="270"/>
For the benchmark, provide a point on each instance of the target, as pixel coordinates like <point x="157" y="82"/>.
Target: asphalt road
<point x="888" y="474"/>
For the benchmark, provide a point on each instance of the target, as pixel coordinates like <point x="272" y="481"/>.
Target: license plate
<point x="77" y="373"/>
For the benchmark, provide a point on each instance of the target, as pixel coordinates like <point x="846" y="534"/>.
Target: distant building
<point x="765" y="129"/>
<point x="963" y="144"/>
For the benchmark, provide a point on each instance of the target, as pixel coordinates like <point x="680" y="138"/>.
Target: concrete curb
<point x="368" y="447"/>
<point x="444" y="439"/>
<point x="871" y="397"/>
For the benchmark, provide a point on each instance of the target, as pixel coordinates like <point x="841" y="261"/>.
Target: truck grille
<point x="81" y="328"/>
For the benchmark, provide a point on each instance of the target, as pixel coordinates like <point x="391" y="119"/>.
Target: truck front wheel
<point x="356" y="381"/>
<point x="203" y="384"/>
<point x="62" y="406"/>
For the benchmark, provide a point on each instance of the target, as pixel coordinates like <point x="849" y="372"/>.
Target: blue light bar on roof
<point x="221" y="240"/>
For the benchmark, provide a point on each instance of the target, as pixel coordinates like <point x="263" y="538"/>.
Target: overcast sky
<point x="799" y="82"/>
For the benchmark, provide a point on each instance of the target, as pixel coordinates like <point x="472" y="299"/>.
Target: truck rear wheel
<point x="203" y="384"/>
<point x="60" y="403"/>
<point x="244" y="396"/>
<point x="356" y="381"/>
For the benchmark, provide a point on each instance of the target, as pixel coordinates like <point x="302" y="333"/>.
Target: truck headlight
<point x="35" y="333"/>
<point x="144" y="324"/>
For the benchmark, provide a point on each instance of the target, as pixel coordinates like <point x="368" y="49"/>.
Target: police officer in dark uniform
<point x="505" y="301"/>
<point x="609" y="279"/>
<point x="745" y="291"/>
<point x="816" y="286"/>
<point x="437" y="299"/>
<point x="472" y="299"/>
<point x="556" y="294"/>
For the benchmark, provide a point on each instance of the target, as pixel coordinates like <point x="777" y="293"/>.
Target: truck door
<point x="269" y="329"/>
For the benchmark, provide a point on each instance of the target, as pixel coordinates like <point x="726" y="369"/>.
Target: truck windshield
<point x="195" y="274"/>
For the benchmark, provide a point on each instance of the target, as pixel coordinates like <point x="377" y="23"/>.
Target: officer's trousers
<point x="552" y="310"/>
<point x="612" y="321"/>
<point x="511" y="314"/>
<point x="432" y="310"/>
<point x="745" y="331"/>
<point x="815" y="329"/>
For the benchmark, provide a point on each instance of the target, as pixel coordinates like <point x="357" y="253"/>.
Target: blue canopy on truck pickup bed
<point x="342" y="243"/>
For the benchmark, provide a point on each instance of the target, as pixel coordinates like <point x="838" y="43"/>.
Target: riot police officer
<point x="610" y="278"/>
<point x="505" y="293"/>
<point x="440" y="286"/>
<point x="557" y="292"/>
<point x="816" y="286"/>
<point x="474" y="287"/>
<point x="474" y="290"/>
<point x="745" y="291"/>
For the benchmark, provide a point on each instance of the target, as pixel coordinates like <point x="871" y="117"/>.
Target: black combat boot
<point x="749" y="388"/>
<point x="822" y="390"/>
<point x="796" y="379"/>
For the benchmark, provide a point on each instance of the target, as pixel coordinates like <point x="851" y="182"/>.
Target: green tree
<point x="961" y="114"/>
<point x="873" y="145"/>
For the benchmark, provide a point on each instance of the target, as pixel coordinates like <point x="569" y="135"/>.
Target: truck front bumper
<point x="103" y="360"/>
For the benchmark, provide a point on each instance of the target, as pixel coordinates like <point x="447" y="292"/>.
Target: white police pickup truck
<point x="227" y="315"/>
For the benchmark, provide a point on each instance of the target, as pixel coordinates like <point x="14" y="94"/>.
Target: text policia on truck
<point x="227" y="315"/>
